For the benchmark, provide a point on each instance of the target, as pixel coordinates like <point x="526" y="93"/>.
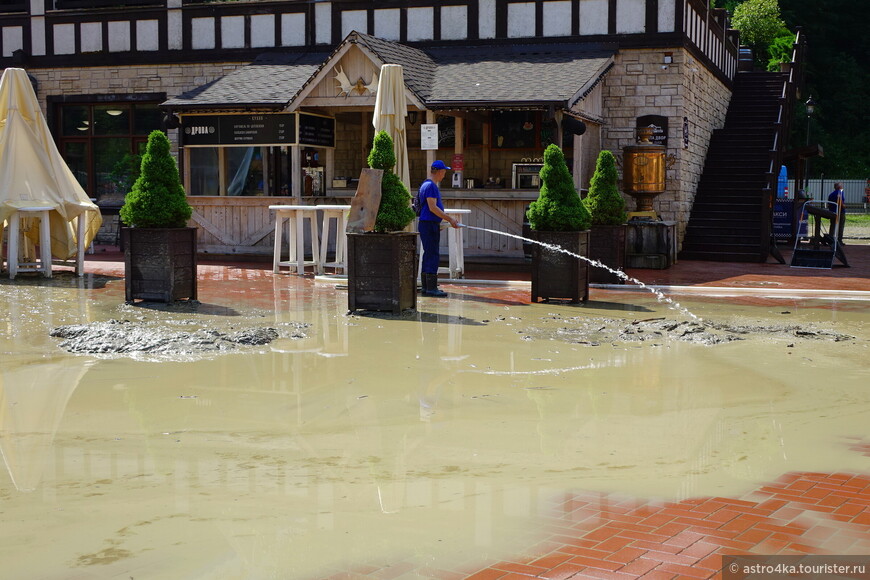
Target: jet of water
<point x="658" y="294"/>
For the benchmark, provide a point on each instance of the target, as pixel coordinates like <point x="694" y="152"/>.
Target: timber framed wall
<point x="44" y="33"/>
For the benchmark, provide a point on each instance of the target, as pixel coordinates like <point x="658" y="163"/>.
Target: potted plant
<point x="559" y="218"/>
<point x="159" y="248"/>
<point x="382" y="264"/>
<point x="607" y="211"/>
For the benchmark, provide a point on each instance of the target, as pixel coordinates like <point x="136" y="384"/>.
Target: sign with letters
<point x="429" y="136"/>
<point x="660" y="128"/>
<point x="257" y="130"/>
<point x="316" y="130"/>
<point x="266" y="129"/>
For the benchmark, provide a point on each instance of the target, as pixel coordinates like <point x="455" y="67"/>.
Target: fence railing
<point x="820" y="188"/>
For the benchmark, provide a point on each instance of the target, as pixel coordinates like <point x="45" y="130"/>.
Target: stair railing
<point x="791" y="86"/>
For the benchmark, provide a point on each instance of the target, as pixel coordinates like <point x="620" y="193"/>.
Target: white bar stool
<point x="455" y="249"/>
<point x="13" y="251"/>
<point x="295" y="215"/>
<point x="339" y="213"/>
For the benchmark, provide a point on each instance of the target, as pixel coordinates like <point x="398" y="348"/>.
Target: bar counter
<point x="244" y="225"/>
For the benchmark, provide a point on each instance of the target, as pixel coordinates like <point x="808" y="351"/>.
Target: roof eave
<point x="494" y="105"/>
<point x="270" y="107"/>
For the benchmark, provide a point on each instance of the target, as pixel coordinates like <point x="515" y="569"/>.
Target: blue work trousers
<point x="430" y="237"/>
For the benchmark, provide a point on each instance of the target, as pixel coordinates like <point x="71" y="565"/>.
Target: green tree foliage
<point x="394" y="212"/>
<point x="759" y="23"/>
<point x="838" y="78"/>
<point x="157" y="198"/>
<point x="558" y="207"/>
<point x="780" y="50"/>
<point x="605" y="204"/>
<point x="126" y="171"/>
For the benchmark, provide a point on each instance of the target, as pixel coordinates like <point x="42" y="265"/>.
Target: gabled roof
<point x="444" y="77"/>
<point x="418" y="68"/>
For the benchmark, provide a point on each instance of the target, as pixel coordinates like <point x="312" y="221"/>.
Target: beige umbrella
<point x="32" y="171"/>
<point x="390" y="111"/>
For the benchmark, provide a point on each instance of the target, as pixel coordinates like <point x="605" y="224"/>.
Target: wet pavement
<point x="481" y="437"/>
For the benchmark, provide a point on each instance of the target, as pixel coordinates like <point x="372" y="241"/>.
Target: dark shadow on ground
<point x="186" y="307"/>
<point x="601" y="305"/>
<point x="418" y="316"/>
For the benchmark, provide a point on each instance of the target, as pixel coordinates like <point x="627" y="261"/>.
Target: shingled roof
<point x="444" y="77"/>
<point x="268" y="82"/>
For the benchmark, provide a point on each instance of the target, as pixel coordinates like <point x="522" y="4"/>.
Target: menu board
<point x="316" y="130"/>
<point x="273" y="129"/>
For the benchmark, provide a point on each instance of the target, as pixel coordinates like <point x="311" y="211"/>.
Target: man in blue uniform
<point x="429" y="226"/>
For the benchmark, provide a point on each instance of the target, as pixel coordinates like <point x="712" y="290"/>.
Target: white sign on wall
<point x="429" y="136"/>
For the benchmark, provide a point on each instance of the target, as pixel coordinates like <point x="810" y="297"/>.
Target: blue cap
<point x="438" y="164"/>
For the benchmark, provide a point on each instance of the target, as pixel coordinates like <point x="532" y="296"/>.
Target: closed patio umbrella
<point x="390" y="111"/>
<point x="32" y="171"/>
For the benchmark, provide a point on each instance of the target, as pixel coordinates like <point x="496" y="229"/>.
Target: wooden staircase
<point x="729" y="221"/>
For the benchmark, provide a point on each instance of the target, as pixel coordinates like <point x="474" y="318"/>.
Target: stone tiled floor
<point x="604" y="536"/>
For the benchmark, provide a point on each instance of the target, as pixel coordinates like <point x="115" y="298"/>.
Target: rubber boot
<point x="430" y="286"/>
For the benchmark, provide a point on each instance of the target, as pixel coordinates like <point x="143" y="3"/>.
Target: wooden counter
<point x="245" y="226"/>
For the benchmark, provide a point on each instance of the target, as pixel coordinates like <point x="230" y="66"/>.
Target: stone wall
<point x="170" y="79"/>
<point x="642" y="84"/>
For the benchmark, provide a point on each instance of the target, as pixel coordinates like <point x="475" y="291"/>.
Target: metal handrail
<point x="787" y="99"/>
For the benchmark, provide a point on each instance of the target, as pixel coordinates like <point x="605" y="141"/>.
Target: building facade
<point x="500" y="78"/>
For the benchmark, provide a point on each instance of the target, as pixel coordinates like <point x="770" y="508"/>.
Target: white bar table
<point x="339" y="213"/>
<point x="296" y="214"/>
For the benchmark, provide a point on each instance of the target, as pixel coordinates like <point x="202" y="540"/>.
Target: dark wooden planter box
<point x="159" y="263"/>
<point x="556" y="275"/>
<point x="382" y="271"/>
<point x="607" y="245"/>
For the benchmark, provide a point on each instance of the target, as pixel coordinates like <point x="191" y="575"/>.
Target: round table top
<point x="292" y="207"/>
<point x="307" y="207"/>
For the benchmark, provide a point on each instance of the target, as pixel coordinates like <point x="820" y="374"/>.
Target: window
<point x="98" y="142"/>
<point x="525" y="130"/>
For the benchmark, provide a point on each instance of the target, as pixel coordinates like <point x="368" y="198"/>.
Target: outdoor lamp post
<point x="810" y="108"/>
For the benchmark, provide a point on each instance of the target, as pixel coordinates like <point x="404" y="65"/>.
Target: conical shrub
<point x="558" y="207"/>
<point x="394" y="212"/>
<point x="157" y="199"/>
<point x="604" y="202"/>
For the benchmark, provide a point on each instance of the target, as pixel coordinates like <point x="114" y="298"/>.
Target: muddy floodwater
<point x="264" y="433"/>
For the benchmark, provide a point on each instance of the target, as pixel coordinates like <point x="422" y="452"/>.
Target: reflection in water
<point x="33" y="397"/>
<point x="440" y="440"/>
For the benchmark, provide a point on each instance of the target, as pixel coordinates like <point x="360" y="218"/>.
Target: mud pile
<point x="124" y="337"/>
<point x="600" y="330"/>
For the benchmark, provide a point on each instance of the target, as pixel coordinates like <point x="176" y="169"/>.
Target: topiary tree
<point x="558" y="207"/>
<point x="606" y="206"/>
<point x="157" y="198"/>
<point x="394" y="212"/>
